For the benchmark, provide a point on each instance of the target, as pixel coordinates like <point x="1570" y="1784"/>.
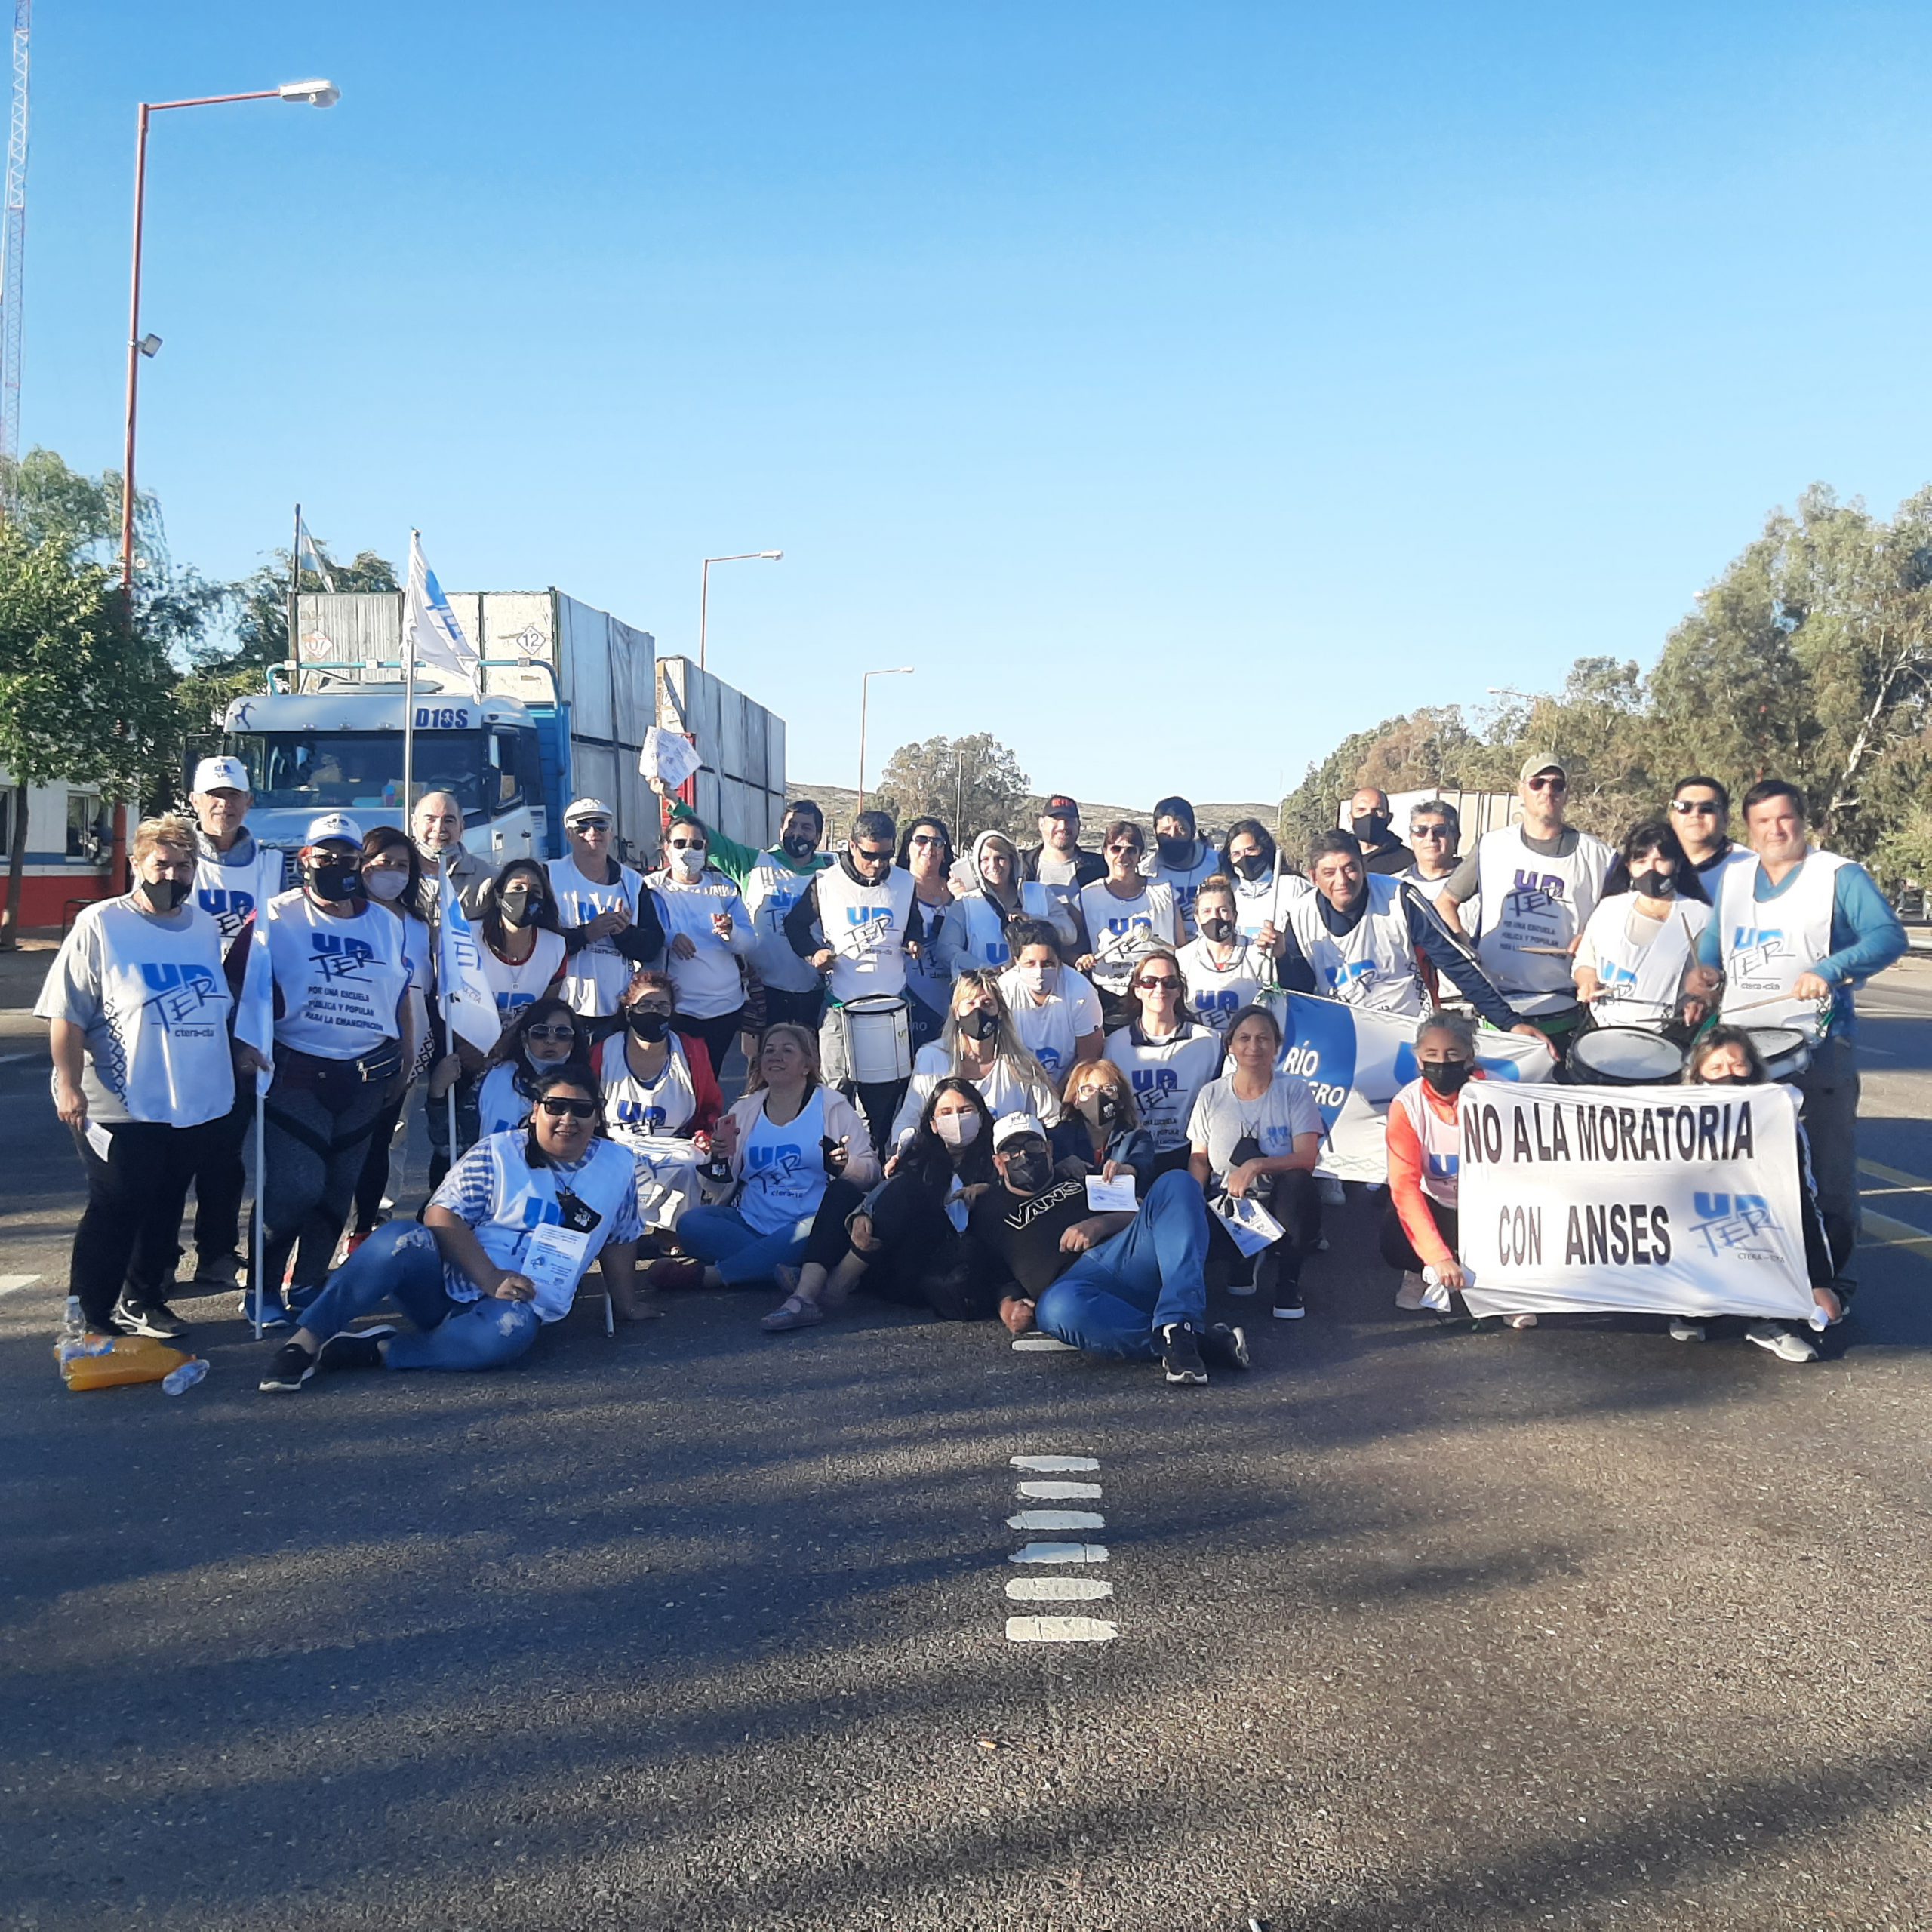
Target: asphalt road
<point x="698" y="1629"/>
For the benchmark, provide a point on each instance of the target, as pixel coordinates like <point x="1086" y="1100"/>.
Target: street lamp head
<point x="773" y="554"/>
<point x="149" y="345"/>
<point x="317" y="93"/>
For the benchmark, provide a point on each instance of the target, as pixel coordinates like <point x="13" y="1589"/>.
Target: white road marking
<point x="11" y="1284"/>
<point x="9" y="1060"/>
<point x="1042" y="1345"/>
<point x="1047" y="1464"/>
<point x="1060" y="1492"/>
<point x="1060" y="1552"/>
<point x="1057" y="1589"/>
<point x="1056" y="1519"/>
<point x="1059" y="1630"/>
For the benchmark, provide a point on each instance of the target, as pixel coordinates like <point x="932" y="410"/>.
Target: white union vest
<point x="1529" y="900"/>
<point x="523" y="1198"/>
<point x="865" y="927"/>
<point x="1641" y="983"/>
<point x="1372" y="966"/>
<point x="637" y="1108"/>
<point x="771" y="889"/>
<point x="1766" y="946"/>
<point x="597" y="974"/>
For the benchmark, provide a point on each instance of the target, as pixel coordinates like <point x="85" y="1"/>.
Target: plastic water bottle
<point x="185" y="1378"/>
<point x="1433" y="1294"/>
<point x="73" y="1324"/>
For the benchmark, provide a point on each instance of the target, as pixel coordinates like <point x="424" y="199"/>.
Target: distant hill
<point x="840" y="801"/>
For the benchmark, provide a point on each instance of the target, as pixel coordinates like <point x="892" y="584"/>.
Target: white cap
<point x="221" y="774"/>
<point x="1015" y="1127"/>
<point x="332" y="825"/>
<point x="587" y="808"/>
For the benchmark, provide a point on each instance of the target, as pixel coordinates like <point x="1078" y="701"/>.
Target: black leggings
<point x="921" y="1261"/>
<point x="1399" y="1251"/>
<point x="129" y="1230"/>
<point x="719" y="1035"/>
<point x="1295" y="1200"/>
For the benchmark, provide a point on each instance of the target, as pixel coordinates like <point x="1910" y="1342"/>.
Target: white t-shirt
<point x="1121" y="932"/>
<point x="784" y="1168"/>
<point x="1222" y="1119"/>
<point x="1166" y="1075"/>
<point x="148" y="992"/>
<point x="1049" y="1031"/>
<point x="342" y="981"/>
<point x="1003" y="1090"/>
<point x="1640" y="962"/>
<point x="1183" y="881"/>
<point x="708" y="985"/>
<point x="514" y="985"/>
<point x="597" y="974"/>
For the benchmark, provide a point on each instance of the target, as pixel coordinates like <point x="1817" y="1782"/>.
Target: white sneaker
<point x="1683" y="1330"/>
<point x="1521" y="1320"/>
<point x="1410" y="1294"/>
<point x="1786" y="1343"/>
<point x="1330" y="1191"/>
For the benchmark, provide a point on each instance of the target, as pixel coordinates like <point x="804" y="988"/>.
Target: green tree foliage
<point x="974" y="782"/>
<point x="82" y="697"/>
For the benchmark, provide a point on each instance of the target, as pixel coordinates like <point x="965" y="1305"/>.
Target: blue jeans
<point x="400" y="1263"/>
<point x="742" y="1256"/>
<point x="1116" y="1299"/>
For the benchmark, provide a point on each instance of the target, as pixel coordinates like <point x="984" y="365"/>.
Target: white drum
<point x="1785" y="1052"/>
<point x="878" y="1031"/>
<point x="1624" y="1057"/>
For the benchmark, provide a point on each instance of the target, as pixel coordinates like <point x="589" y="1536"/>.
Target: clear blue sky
<point x="1178" y="389"/>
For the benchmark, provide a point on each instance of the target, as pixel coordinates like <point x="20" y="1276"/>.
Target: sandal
<point x="795" y="1312"/>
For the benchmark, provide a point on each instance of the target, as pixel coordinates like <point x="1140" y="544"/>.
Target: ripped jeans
<point x="400" y="1263"/>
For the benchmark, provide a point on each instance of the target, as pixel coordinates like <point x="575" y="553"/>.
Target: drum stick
<point x="1547" y="952"/>
<point x="1773" y="999"/>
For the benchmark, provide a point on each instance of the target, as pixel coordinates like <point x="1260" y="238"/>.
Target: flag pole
<point x="294" y="599"/>
<point x="409" y="692"/>
<point x="261" y="1142"/>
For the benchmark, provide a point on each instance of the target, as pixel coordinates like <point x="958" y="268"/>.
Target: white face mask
<point x="957" y="1129"/>
<point x="385" y="885"/>
<point x="688" y="860"/>
<point x="1035" y="979"/>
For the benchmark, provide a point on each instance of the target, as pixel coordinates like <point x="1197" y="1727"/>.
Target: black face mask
<point x="1447" y="1076"/>
<point x="1255" y="865"/>
<point x="335" y="878"/>
<point x="1174" y="851"/>
<point x="1029" y="1173"/>
<point x="1219" y="929"/>
<point x="1099" y="1108"/>
<point x="798" y="845"/>
<point x="1654" y="884"/>
<point x="978" y="1024"/>
<point x="165" y="894"/>
<point x="1370" y="827"/>
<point x="649" y="1027"/>
<point x="1725" y="1080"/>
<point x="514" y="906"/>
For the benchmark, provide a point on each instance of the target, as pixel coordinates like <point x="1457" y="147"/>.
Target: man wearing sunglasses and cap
<point x="609" y="916"/>
<point x="1538" y="882"/>
<point x="503" y="1244"/>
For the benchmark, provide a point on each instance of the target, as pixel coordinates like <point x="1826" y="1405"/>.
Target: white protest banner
<point x="1355" y="1059"/>
<point x="1657" y="1200"/>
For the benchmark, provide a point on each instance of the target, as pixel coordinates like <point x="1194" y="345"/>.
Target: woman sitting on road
<point x="1103" y="1126"/>
<point x="792" y="1144"/>
<point x="1166" y="1057"/>
<point x="1728" y="1056"/>
<point x="1055" y="1009"/>
<point x="1222" y="971"/>
<point x="980" y="1043"/>
<point x="1256" y="1134"/>
<point x="907" y="1242"/>
<point x="1641" y="942"/>
<point x="503" y="1244"/>
<point x="660" y="1095"/>
<point x="545" y="1035"/>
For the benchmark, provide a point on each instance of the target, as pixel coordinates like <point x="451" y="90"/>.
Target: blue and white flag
<point x="430" y="633"/>
<point x="308" y="551"/>
<point x="469" y="1007"/>
<point x="1355" y="1058"/>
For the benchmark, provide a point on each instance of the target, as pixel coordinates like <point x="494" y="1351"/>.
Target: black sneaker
<point x="1180" y="1354"/>
<point x="150" y="1317"/>
<point x="292" y="1366"/>
<point x="1226" y="1345"/>
<point x="354" y="1348"/>
<point x="1289" y="1306"/>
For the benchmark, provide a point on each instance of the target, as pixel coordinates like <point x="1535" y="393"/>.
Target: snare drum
<point x="877" y="1036"/>
<point x="1624" y="1057"/>
<point x="1785" y="1050"/>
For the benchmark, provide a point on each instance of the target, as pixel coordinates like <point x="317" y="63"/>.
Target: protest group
<point x="1083" y="1091"/>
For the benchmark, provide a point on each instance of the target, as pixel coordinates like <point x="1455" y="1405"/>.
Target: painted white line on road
<point x="1896" y="1234"/>
<point x="1059" y="1630"/>
<point x="1056" y="1519"/>
<point x="1884" y="1053"/>
<point x="1042" y="1345"/>
<point x="1057" y="1589"/>
<point x="1060" y="1552"/>
<point x="1059" y="1492"/>
<point x="11" y="1059"/>
<point x="1912" y="1184"/>
<point x="11" y="1284"/>
<point x="1047" y="1464"/>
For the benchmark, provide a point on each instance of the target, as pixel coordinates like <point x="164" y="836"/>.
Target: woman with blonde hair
<point x="1103" y="1125"/>
<point x="979" y="1043"/>
<point x="793" y="1146"/>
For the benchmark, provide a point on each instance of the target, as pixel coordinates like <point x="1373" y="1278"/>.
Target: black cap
<point x="1059" y="806"/>
<point x="1175" y="807"/>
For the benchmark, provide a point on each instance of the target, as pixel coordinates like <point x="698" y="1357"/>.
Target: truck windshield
<point x="313" y="771"/>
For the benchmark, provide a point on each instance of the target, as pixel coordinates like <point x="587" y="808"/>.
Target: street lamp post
<point x="314" y="93"/>
<point x="865" y="699"/>
<point x="704" y="587"/>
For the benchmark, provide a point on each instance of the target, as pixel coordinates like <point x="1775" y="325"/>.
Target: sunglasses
<point x="590" y="825"/>
<point x="1694" y="807"/>
<point x="926" y="838"/>
<point x="573" y="1109"/>
<point x="1155" y="985"/>
<point x="1429" y="832"/>
<point x="686" y="844"/>
<point x="872" y="858"/>
<point x="1549" y="784"/>
<point x="549" y="1033"/>
<point x="1135" y="850"/>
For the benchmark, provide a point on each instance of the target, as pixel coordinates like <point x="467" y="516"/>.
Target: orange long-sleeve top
<point x="1413" y="1206"/>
